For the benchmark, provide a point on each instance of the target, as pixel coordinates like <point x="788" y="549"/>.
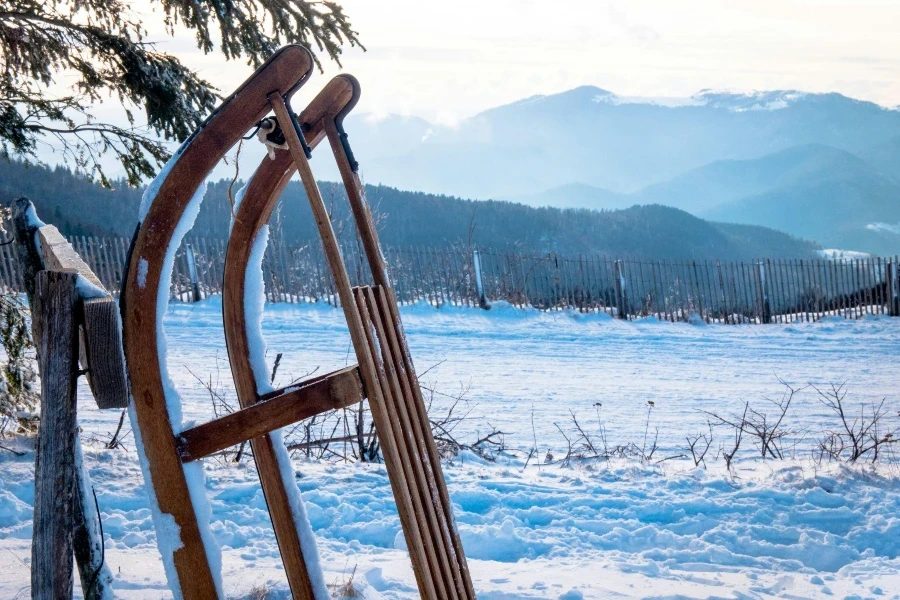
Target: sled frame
<point x="386" y="378"/>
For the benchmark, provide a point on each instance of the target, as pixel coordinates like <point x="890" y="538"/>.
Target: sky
<point x="445" y="61"/>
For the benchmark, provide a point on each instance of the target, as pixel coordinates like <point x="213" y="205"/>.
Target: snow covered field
<point x="778" y="529"/>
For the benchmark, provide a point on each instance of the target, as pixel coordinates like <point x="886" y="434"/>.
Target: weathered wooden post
<point x="479" y="285"/>
<point x="54" y="323"/>
<point x="890" y="278"/>
<point x="192" y="272"/>
<point x="765" y="311"/>
<point x="725" y="311"/>
<point x="621" y="299"/>
<point x="72" y="315"/>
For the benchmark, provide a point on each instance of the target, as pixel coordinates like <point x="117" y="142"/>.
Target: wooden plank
<point x="791" y="301"/>
<point x="743" y="286"/>
<point x="804" y="291"/>
<point x="423" y="561"/>
<point x="738" y="290"/>
<point x="103" y="360"/>
<point x="105" y="365"/>
<point x="664" y="289"/>
<point x="787" y="300"/>
<point x="869" y="276"/>
<point x="815" y="288"/>
<point x="380" y="274"/>
<point x="55" y="322"/>
<point x="58" y="255"/>
<point x="822" y="284"/>
<point x="442" y="524"/>
<point x="710" y="298"/>
<point x="874" y="302"/>
<point x="278" y="409"/>
<point x="108" y="263"/>
<point x="894" y="308"/>
<point x="809" y="291"/>
<point x="877" y="290"/>
<point x="411" y="443"/>
<point x="119" y="254"/>
<point x="6" y="269"/>
<point x="837" y="276"/>
<point x="775" y="299"/>
<point x="847" y="284"/>
<point x="863" y="285"/>
<point x="697" y="287"/>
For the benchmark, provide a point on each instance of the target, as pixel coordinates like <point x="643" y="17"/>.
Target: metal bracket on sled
<point x="385" y="373"/>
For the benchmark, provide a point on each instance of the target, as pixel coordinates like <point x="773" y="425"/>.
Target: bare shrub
<point x="584" y="447"/>
<point x="348" y="589"/>
<point x="857" y="436"/>
<point x="730" y="451"/>
<point x="699" y="445"/>
<point x="766" y="428"/>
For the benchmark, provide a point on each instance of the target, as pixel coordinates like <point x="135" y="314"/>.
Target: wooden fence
<point x="760" y="291"/>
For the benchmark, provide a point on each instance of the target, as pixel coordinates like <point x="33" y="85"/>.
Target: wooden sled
<point x="384" y="374"/>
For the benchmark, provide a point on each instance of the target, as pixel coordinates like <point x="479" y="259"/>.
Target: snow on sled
<point x="384" y="374"/>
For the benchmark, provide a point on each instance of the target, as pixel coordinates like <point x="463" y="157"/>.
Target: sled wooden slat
<point x="398" y="472"/>
<point x="368" y="234"/>
<point x="398" y="468"/>
<point x="280" y="409"/>
<point x="286" y="71"/>
<point x="432" y="516"/>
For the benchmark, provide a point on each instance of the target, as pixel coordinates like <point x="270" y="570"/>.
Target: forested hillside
<point x="412" y="218"/>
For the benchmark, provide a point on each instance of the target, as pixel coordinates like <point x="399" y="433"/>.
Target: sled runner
<point x="384" y="374"/>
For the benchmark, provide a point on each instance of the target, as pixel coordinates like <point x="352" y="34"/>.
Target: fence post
<point x="621" y="300"/>
<point x="479" y="285"/>
<point x="192" y="272"/>
<point x="765" y="312"/>
<point x="725" y="312"/>
<point x="893" y="295"/>
<point x="52" y="575"/>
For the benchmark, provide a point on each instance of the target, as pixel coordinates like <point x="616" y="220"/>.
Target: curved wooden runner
<point x="286" y="71"/>
<point x="258" y="200"/>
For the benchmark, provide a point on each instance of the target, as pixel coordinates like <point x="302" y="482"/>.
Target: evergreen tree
<point x="98" y="48"/>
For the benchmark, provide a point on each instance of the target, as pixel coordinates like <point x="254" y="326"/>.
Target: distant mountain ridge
<point x="813" y="191"/>
<point x="592" y="136"/>
<point x="822" y="167"/>
<point x="78" y="207"/>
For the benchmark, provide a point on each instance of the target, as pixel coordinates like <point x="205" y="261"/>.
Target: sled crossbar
<point x="274" y="410"/>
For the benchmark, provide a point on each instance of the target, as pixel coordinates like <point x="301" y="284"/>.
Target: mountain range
<point x="820" y="166"/>
<point x="79" y="207"/>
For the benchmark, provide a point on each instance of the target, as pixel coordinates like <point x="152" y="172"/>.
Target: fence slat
<point x="775" y="290"/>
